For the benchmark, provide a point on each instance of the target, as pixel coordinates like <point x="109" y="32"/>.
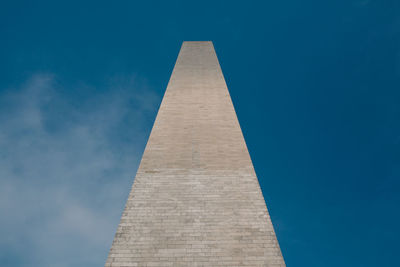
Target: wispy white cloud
<point x="66" y="166"/>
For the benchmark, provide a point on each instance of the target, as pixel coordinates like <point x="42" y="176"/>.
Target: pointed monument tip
<point x="196" y="42"/>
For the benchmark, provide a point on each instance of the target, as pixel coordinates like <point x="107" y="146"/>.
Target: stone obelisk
<point x="196" y="200"/>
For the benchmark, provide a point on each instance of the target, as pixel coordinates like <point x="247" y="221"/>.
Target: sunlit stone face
<point x="196" y="200"/>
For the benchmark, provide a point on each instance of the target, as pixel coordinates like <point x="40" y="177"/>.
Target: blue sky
<point x="315" y="85"/>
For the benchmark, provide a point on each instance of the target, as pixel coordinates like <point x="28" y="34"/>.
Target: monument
<point x="196" y="200"/>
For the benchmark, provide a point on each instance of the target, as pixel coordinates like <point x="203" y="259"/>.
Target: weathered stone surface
<point x="196" y="200"/>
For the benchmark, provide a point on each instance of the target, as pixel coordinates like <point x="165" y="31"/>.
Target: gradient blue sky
<point x="315" y="85"/>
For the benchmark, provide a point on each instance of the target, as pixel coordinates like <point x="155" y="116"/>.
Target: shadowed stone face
<point x="196" y="200"/>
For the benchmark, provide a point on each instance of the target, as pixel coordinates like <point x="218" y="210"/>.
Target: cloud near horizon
<point x="67" y="164"/>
